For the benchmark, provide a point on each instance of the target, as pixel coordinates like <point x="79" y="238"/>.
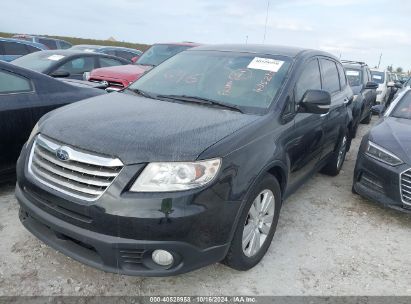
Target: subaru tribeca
<point x="188" y="166"/>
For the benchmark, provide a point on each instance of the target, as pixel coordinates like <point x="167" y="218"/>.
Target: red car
<point x="119" y="77"/>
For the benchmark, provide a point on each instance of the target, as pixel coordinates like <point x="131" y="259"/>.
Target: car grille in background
<point x="406" y="187"/>
<point x="83" y="175"/>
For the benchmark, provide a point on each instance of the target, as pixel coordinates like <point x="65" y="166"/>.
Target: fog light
<point x="162" y="257"/>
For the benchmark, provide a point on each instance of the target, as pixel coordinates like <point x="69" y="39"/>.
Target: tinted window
<point x="354" y="76"/>
<point x="64" y="45"/>
<point x="12" y="83"/>
<point x="125" y="55"/>
<point x="309" y="80"/>
<point x="15" y="48"/>
<point x="78" y="65"/>
<point x="110" y="52"/>
<point x="378" y="77"/>
<point x="343" y="79"/>
<point x="51" y="44"/>
<point x="32" y="49"/>
<point x="329" y="73"/>
<point x="107" y="62"/>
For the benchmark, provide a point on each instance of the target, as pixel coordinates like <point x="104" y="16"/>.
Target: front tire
<point x="367" y="119"/>
<point x="256" y="226"/>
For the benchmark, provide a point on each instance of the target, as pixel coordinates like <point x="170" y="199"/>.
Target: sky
<point x="353" y="29"/>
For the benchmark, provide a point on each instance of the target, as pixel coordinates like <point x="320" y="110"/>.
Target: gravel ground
<point x="328" y="242"/>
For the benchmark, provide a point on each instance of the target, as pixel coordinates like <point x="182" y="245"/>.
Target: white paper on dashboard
<point x="266" y="64"/>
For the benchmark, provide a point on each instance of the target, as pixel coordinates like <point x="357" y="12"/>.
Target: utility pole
<point x="379" y="62"/>
<point x="266" y="20"/>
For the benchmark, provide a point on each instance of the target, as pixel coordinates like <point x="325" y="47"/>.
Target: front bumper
<point x="379" y="182"/>
<point x="119" y="231"/>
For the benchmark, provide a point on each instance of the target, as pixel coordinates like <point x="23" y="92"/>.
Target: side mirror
<point x="134" y="59"/>
<point x="371" y="85"/>
<point x="316" y="102"/>
<point x="398" y="85"/>
<point x="390" y="84"/>
<point x="86" y="76"/>
<point x="377" y="110"/>
<point x="60" y="74"/>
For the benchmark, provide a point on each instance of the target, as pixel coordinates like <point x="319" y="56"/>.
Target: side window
<point x="329" y="73"/>
<point x="64" y="45"/>
<point x="343" y="78"/>
<point x="108" y="62"/>
<point x="125" y="55"/>
<point x="51" y="44"/>
<point x="1" y="48"/>
<point x="78" y="65"/>
<point x="110" y="52"/>
<point x="31" y="49"/>
<point x="309" y="80"/>
<point x="14" y="48"/>
<point x="12" y="83"/>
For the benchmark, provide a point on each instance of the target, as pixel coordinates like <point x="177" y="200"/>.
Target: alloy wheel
<point x="258" y="222"/>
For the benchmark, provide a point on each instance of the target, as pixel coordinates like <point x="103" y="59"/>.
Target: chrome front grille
<point x="83" y="175"/>
<point x="406" y="187"/>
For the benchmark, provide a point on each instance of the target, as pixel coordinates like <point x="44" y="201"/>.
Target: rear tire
<point x="367" y="119"/>
<point x="241" y="254"/>
<point x="334" y="165"/>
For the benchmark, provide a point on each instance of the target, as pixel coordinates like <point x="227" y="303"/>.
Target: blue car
<point x="11" y="49"/>
<point x="51" y="43"/>
<point x="122" y="52"/>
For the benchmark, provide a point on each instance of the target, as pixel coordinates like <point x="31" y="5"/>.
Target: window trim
<point x="307" y="61"/>
<point x="30" y="81"/>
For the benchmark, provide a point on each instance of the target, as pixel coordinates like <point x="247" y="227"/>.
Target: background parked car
<point x="188" y="166"/>
<point x="25" y="96"/>
<point x="50" y="43"/>
<point x="121" y="77"/>
<point x="383" y="168"/>
<point x="381" y="77"/>
<point x="67" y="63"/>
<point x="364" y="89"/>
<point x="126" y="53"/>
<point x="11" y="49"/>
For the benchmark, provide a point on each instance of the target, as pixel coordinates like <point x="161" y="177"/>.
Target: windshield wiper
<point x="141" y="93"/>
<point x="201" y="100"/>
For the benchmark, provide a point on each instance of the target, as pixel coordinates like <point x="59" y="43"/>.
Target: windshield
<point x="247" y="81"/>
<point x="38" y="61"/>
<point x="378" y="77"/>
<point x="403" y="108"/>
<point x="159" y="53"/>
<point x="354" y="76"/>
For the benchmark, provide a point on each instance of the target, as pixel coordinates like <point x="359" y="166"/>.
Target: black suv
<point x="365" y="94"/>
<point x="189" y="165"/>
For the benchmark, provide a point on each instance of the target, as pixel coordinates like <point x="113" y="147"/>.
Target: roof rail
<point x="354" y="62"/>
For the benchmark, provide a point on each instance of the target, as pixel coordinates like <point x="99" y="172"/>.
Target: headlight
<point x="176" y="176"/>
<point x="33" y="132"/>
<point x="381" y="154"/>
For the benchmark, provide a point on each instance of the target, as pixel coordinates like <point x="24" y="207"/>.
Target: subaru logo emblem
<point x="62" y="154"/>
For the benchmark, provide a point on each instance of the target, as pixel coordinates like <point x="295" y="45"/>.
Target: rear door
<point x="304" y="148"/>
<point x="17" y="93"/>
<point x="341" y="94"/>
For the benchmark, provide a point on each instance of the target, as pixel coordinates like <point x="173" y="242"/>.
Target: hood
<point x="393" y="134"/>
<point x="129" y="72"/>
<point x="136" y="129"/>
